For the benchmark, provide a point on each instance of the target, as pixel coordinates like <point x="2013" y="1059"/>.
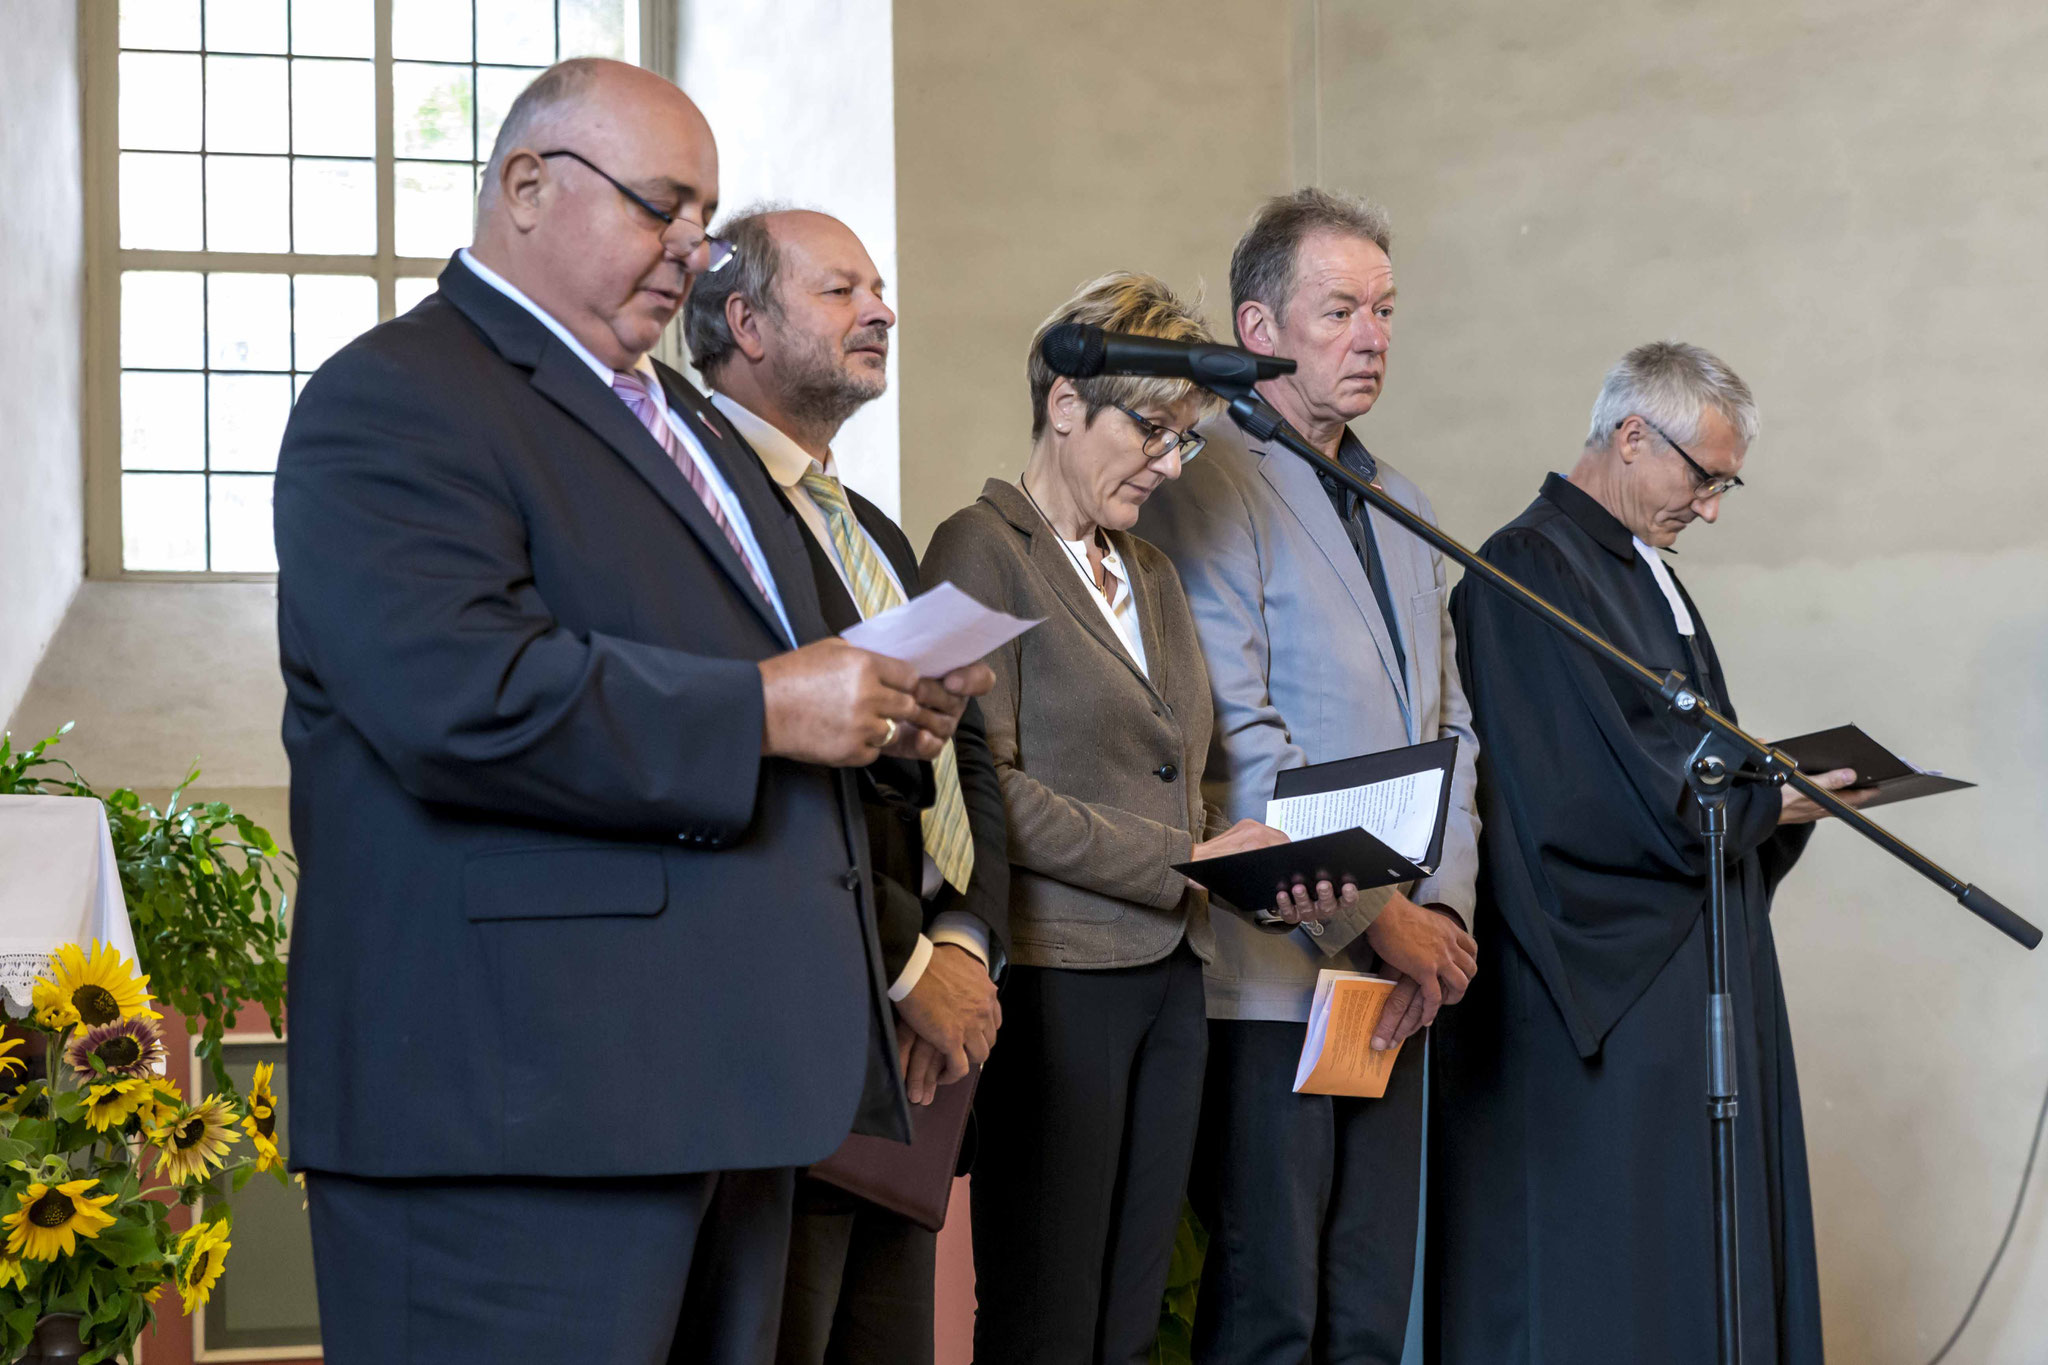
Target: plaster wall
<point x="42" y="280"/>
<point x="1038" y="146"/>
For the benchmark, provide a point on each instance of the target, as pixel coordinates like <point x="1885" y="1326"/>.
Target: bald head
<point x="582" y="98"/>
<point x="612" y="270"/>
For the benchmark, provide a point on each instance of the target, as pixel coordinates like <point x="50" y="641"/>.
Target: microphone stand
<point x="1727" y="754"/>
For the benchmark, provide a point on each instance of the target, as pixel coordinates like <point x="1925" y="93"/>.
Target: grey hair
<point x="1671" y="384"/>
<point x="750" y="274"/>
<point x="538" y="106"/>
<point x="1262" y="267"/>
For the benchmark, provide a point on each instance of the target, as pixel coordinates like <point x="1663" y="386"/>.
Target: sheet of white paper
<point x="1318" y="1024"/>
<point x="1400" y="812"/>
<point x="938" y="632"/>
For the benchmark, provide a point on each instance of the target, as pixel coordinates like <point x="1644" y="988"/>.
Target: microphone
<point x="1078" y="351"/>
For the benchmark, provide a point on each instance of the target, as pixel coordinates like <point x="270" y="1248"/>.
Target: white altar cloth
<point x="58" y="884"/>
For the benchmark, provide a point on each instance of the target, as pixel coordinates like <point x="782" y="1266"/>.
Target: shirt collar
<point x="1352" y="454"/>
<point x="643" y="366"/>
<point x="1077" y="553"/>
<point x="1596" y="521"/>
<point x="787" y="461"/>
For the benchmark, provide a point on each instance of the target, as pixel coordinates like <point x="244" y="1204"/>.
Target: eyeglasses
<point x="1705" y="485"/>
<point x="1163" y="440"/>
<point x="719" y="250"/>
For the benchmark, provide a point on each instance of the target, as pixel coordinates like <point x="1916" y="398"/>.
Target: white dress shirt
<point x="787" y="463"/>
<point x="1120" y="608"/>
<point x="735" y="515"/>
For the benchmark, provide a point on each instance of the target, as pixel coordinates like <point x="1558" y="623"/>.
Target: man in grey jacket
<point x="1326" y="634"/>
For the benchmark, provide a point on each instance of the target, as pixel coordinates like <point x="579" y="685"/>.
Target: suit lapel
<point x="565" y="379"/>
<point x="1408" y="573"/>
<point x="835" y="603"/>
<point x="1302" y="493"/>
<point x="560" y="376"/>
<point x="1145" y="591"/>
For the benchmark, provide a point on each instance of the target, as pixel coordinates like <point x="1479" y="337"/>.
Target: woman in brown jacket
<point x="1099" y="725"/>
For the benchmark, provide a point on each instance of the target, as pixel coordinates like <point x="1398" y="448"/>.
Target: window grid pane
<point x="203" y="408"/>
<point x="211" y="361"/>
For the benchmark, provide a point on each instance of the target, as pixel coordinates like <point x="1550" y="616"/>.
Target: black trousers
<point x="654" y="1271"/>
<point x="1311" y="1204"/>
<point x="860" y="1283"/>
<point x="1087" y="1114"/>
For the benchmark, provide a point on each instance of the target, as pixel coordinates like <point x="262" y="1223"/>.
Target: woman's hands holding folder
<point x="1298" y="906"/>
<point x="1436" y="958"/>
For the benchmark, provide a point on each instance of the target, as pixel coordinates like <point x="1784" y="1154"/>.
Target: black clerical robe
<point x="1570" y="1184"/>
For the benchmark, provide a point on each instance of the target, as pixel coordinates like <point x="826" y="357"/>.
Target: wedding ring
<point x="890" y="737"/>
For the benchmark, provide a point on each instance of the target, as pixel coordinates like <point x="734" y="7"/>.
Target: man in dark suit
<point x="793" y="339"/>
<point x="585" y="961"/>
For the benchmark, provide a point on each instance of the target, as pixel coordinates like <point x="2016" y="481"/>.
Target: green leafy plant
<point x="1175" y="1344"/>
<point x="205" y="887"/>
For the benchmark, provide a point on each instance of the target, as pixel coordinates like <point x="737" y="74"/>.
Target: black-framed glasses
<point x="1163" y="440"/>
<point x="720" y="250"/>
<point x="1705" y="485"/>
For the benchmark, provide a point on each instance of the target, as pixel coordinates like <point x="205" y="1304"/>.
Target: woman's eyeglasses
<point x="1163" y="440"/>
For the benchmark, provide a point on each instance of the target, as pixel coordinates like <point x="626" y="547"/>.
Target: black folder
<point x="1249" y="882"/>
<point x="1847" y="746"/>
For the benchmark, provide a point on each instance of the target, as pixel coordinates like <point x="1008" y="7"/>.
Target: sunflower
<point x="8" y="1063"/>
<point x="194" y="1141"/>
<point x="262" y="1121"/>
<point x="161" y="1101"/>
<point x="52" y="1216"/>
<point x="109" y="1105"/>
<point x="13" y="1273"/>
<point x="90" y="989"/>
<point x="204" y="1247"/>
<point x="126" y="1047"/>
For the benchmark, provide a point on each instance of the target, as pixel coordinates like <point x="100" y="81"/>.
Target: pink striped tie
<point x="632" y="388"/>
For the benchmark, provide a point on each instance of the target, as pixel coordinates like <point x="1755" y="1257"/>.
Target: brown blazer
<point x="1101" y="765"/>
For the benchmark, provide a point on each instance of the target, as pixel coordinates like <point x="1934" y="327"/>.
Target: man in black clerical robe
<point x="1570" y="1185"/>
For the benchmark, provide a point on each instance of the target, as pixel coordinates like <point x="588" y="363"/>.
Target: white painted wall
<point x="801" y="96"/>
<point x="42" y="279"/>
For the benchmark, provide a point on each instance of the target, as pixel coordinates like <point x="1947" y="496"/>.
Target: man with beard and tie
<point x="793" y="339"/>
<point x="1570" y="1208"/>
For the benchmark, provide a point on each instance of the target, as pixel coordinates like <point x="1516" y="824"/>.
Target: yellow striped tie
<point x="946" y="834"/>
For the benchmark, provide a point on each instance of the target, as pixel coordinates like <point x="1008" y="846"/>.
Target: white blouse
<point x="1120" y="608"/>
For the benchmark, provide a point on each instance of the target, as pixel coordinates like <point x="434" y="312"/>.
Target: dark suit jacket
<point x="557" y="913"/>
<point x="895" y="792"/>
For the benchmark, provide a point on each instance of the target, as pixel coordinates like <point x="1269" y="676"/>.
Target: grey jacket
<point x="1101" y="765"/>
<point x="1303" y="672"/>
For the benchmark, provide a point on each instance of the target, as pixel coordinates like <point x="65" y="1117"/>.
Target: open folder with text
<point x="1374" y="820"/>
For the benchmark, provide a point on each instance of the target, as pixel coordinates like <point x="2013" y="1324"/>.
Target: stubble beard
<point x="821" y="390"/>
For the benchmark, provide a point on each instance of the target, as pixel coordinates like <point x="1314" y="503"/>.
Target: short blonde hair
<point x="1121" y="301"/>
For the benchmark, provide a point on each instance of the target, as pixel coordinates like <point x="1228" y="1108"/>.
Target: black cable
<point x="2019" y="1200"/>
